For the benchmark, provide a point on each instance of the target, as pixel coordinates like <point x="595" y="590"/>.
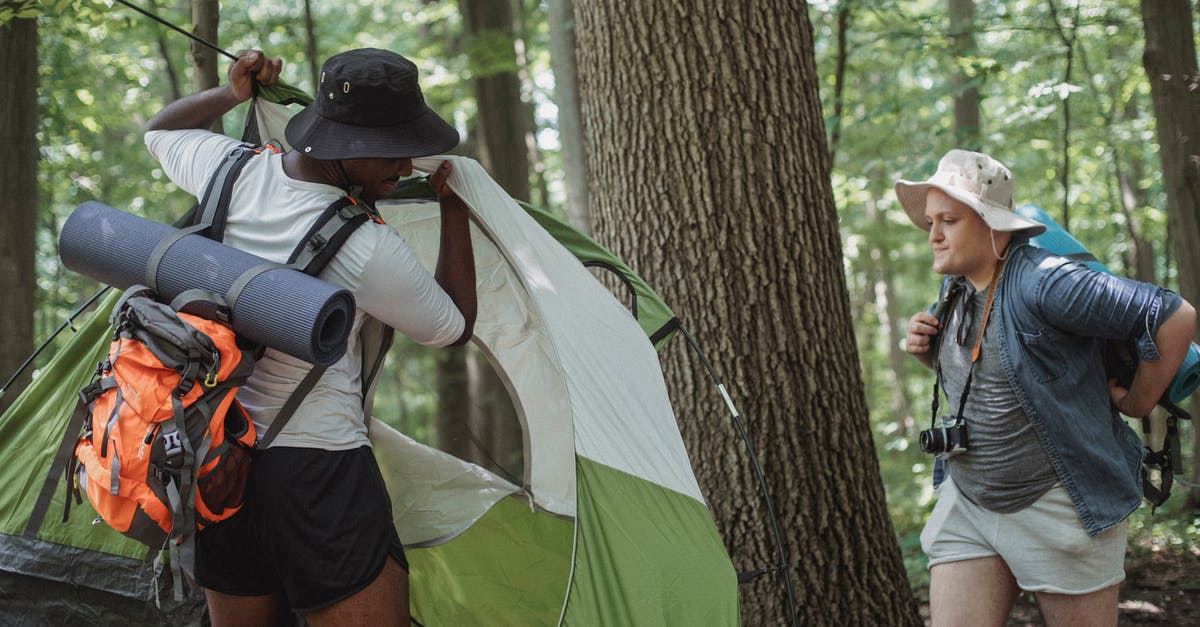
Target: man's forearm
<point x="1153" y="377"/>
<point x="196" y="111"/>
<point x="456" y="262"/>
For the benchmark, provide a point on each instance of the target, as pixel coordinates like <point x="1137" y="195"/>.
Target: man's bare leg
<point x="383" y="602"/>
<point x="229" y="610"/>
<point x="1094" y="609"/>
<point x="978" y="592"/>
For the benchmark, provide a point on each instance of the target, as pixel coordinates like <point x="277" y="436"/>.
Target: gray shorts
<point x="1044" y="545"/>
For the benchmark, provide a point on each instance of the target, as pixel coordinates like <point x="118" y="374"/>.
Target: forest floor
<point x="1161" y="588"/>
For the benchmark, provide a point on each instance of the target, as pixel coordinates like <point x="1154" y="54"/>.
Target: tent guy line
<point x="192" y="35"/>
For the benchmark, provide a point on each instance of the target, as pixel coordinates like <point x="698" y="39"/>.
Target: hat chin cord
<point x="992" y="237"/>
<point x="355" y="191"/>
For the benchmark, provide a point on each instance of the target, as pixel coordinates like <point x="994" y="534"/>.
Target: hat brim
<point x="912" y="195"/>
<point x="322" y="138"/>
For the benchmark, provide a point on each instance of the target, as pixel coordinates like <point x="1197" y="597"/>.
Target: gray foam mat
<point x="281" y="308"/>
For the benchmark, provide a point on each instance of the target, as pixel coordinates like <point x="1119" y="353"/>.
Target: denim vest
<point x="1054" y="317"/>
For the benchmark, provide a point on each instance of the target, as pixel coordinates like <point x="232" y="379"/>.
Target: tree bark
<point x="967" y="132"/>
<point x="1170" y="62"/>
<point x="206" y="15"/>
<point x="500" y="120"/>
<point x="18" y="196"/>
<point x="566" y="95"/>
<point x="709" y="173"/>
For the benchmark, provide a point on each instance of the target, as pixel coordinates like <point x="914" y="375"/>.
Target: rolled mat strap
<point x="160" y="249"/>
<point x="277" y="307"/>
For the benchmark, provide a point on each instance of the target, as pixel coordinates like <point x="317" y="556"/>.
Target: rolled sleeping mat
<point x="1057" y="240"/>
<point x="1188" y="378"/>
<point x="279" y="307"/>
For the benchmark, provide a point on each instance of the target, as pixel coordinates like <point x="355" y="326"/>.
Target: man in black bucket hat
<point x="369" y="105"/>
<point x="316" y="534"/>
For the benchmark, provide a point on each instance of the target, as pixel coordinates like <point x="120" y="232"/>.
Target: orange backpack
<point x="166" y="448"/>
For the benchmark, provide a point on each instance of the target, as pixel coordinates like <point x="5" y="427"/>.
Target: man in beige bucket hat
<point x="1035" y="471"/>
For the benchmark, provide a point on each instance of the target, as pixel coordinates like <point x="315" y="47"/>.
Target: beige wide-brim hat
<point x="977" y="181"/>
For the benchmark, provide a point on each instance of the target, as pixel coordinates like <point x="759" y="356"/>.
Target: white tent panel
<point x="435" y="496"/>
<point x="591" y="353"/>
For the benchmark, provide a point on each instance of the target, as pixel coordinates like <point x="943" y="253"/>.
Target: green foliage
<point x="18" y="10"/>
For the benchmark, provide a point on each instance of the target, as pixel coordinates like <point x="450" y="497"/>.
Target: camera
<point x="949" y="439"/>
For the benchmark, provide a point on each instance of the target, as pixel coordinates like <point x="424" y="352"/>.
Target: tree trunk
<point x="454" y="405"/>
<point x="967" y="132"/>
<point x="539" y="194"/>
<point x="169" y="66"/>
<point x="1170" y="61"/>
<point x="709" y="173"/>
<point x="566" y="95"/>
<point x="893" y="323"/>
<point x="310" y="46"/>
<point x="1066" y="35"/>
<point x="500" y="119"/>
<point x="1140" y="255"/>
<point x="206" y="14"/>
<point x="18" y="196"/>
<point x="839" y="79"/>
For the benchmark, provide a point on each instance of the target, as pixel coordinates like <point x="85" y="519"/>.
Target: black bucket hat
<point x="368" y="104"/>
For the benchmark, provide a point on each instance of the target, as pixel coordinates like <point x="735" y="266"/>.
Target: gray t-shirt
<point x="1004" y="468"/>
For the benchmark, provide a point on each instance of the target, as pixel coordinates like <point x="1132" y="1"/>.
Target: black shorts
<point x="317" y="527"/>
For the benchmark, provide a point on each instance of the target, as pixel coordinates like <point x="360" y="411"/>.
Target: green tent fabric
<point x="606" y="525"/>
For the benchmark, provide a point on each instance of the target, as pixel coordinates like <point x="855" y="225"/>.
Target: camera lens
<point x="932" y="441"/>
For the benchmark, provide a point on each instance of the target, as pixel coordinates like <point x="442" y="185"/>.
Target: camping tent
<point x="608" y="526"/>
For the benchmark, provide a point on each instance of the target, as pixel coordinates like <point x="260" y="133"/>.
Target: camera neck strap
<point x="954" y="292"/>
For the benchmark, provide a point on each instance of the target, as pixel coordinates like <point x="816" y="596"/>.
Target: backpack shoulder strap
<point x="314" y="251"/>
<point x="214" y="204"/>
<point x="328" y="233"/>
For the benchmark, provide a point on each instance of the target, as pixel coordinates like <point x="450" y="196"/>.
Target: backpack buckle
<point x="317" y="243"/>
<point x="210" y="380"/>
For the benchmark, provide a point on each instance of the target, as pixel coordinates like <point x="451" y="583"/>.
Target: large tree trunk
<point x="966" y="96"/>
<point x="566" y="96"/>
<point x="709" y="173"/>
<point x="1170" y="61"/>
<point x="206" y="15"/>
<point x="18" y="195"/>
